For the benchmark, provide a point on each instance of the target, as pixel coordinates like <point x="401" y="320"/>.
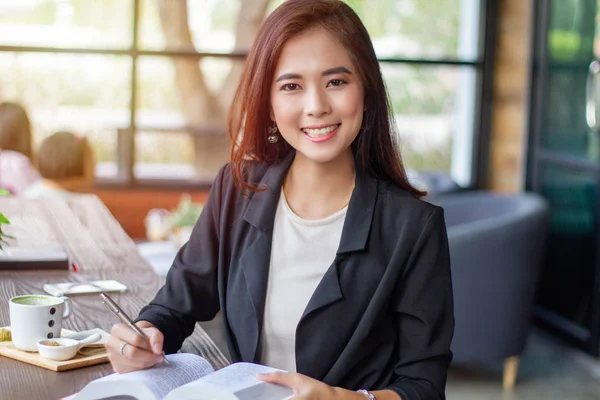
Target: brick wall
<point x="509" y="128"/>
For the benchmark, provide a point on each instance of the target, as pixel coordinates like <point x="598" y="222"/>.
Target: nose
<point x="317" y="104"/>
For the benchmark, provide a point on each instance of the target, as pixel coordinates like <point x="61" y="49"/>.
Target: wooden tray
<point x="7" y="349"/>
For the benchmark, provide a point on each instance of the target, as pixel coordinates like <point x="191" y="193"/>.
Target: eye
<point x="336" y="82"/>
<point x="288" y="87"/>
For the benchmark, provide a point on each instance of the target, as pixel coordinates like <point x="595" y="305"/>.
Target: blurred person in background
<point x="16" y="155"/>
<point x="65" y="162"/>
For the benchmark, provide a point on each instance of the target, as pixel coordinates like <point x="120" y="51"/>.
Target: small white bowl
<point x="68" y="349"/>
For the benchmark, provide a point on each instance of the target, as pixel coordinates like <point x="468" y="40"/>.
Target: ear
<point x="271" y="113"/>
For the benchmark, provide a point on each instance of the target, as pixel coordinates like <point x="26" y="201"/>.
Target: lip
<point x="319" y="126"/>
<point x="324" y="138"/>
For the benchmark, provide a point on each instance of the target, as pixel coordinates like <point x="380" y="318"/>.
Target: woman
<point x="65" y="162"/>
<point x="344" y="296"/>
<point x="16" y="169"/>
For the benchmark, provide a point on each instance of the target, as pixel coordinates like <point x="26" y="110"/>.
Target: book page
<point x="240" y="380"/>
<point x="162" y="378"/>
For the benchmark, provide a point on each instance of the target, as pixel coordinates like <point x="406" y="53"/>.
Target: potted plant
<point x="4" y="221"/>
<point x="183" y="219"/>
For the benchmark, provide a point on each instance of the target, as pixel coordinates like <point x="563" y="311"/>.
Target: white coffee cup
<point x="36" y="317"/>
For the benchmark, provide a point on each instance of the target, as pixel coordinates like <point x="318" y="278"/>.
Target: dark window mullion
<point x="136" y="52"/>
<point x="434" y="62"/>
<point x="130" y="145"/>
<point x="488" y="28"/>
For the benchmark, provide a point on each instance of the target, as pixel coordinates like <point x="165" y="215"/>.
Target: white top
<point x="16" y="172"/>
<point x="302" y="251"/>
<point x="41" y="189"/>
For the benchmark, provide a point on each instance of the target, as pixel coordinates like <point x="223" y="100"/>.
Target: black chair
<point x="496" y="248"/>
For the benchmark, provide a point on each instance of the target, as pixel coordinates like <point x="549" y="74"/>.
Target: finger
<point x="280" y="378"/>
<point x="124" y="357"/>
<point x="116" y="346"/>
<point x="156" y="339"/>
<point x="112" y="345"/>
<point x="155" y="335"/>
<point x="121" y="364"/>
<point x="126" y="334"/>
<point x="138" y="354"/>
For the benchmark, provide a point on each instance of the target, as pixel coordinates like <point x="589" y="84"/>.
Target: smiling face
<point x="317" y="98"/>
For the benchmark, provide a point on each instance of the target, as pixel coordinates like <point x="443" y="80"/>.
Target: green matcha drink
<point x="36" y="300"/>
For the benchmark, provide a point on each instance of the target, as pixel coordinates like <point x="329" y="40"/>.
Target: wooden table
<point x="102" y="250"/>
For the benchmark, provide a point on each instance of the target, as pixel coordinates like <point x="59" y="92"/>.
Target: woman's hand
<point x="128" y="351"/>
<point x="306" y="388"/>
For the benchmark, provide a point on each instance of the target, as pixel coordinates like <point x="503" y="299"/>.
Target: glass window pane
<point x="86" y="94"/>
<point x="434" y="112"/>
<point x="566" y="284"/>
<point x="164" y="155"/>
<point x="67" y="23"/>
<point x="398" y="28"/>
<point x="189" y="95"/>
<point x="571" y="26"/>
<point x="205" y="25"/>
<point x="421" y="29"/>
<point x="564" y="127"/>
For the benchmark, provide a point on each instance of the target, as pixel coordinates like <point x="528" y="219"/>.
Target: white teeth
<point x="320" y="132"/>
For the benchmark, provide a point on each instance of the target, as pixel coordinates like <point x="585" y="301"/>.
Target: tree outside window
<point x="75" y="66"/>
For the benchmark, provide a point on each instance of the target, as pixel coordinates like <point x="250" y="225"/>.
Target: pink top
<point x="16" y="172"/>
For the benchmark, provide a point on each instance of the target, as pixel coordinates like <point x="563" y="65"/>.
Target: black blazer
<point x="381" y="317"/>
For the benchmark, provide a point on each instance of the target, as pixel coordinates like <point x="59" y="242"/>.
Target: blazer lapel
<point x="359" y="218"/>
<point x="254" y="264"/>
<point x="327" y="292"/>
<point x="355" y="234"/>
<point x="255" y="259"/>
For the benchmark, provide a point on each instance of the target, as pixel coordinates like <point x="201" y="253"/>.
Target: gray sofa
<point x="434" y="182"/>
<point x="496" y="248"/>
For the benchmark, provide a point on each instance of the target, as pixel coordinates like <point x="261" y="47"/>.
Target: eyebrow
<point x="330" y="71"/>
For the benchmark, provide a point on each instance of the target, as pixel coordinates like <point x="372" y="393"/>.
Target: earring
<point x="273" y="137"/>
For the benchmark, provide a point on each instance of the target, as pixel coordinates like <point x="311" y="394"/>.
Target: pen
<point x="124" y="318"/>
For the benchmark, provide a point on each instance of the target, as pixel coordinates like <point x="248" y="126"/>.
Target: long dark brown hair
<point x="375" y="149"/>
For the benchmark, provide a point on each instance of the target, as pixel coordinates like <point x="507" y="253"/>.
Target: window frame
<point x="483" y="67"/>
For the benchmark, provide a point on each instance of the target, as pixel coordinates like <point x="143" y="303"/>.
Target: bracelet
<point x="367" y="394"/>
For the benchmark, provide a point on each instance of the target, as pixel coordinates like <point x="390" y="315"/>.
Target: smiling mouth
<point x="320" y="132"/>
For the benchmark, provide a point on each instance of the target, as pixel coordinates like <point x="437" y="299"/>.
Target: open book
<point x="187" y="376"/>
